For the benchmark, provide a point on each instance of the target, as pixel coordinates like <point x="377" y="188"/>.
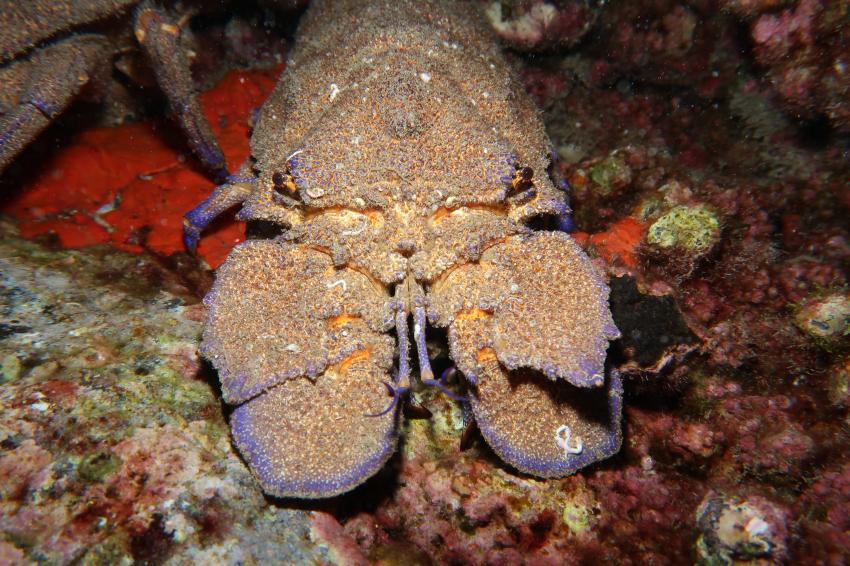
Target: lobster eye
<point x="522" y="180"/>
<point x="278" y="180"/>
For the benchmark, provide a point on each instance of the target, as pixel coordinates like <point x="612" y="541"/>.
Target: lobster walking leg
<point x="234" y="191"/>
<point x="160" y="39"/>
<point x="58" y="74"/>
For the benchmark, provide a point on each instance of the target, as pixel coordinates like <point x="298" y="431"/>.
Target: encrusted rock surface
<point x="113" y="446"/>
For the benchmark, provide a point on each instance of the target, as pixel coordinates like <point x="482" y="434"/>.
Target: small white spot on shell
<point x="562" y="439"/>
<point x="425" y="77"/>
<point x="363" y="224"/>
<point x="334" y="91"/>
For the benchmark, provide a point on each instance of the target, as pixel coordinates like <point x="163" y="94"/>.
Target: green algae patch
<point x="577" y="518"/>
<point x="110" y="551"/>
<point x="437" y="436"/>
<point x="692" y="228"/>
<point x="95" y="467"/>
<point x="178" y="394"/>
<point x="610" y="174"/>
<point x="10" y="369"/>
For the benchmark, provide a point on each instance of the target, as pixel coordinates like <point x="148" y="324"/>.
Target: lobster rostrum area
<point x="402" y="161"/>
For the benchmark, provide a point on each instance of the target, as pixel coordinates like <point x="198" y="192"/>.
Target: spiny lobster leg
<point x="411" y="294"/>
<point x="237" y="188"/>
<point x="160" y="38"/>
<point x="410" y="299"/>
<point x="403" y="378"/>
<point x="58" y="74"/>
<point x="401" y="386"/>
<point x="26" y="24"/>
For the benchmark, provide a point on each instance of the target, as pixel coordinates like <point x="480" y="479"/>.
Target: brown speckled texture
<point x="25" y="24"/>
<point x="398" y="153"/>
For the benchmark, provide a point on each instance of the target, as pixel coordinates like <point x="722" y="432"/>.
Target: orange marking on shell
<point x="170" y="29"/>
<point x="374" y="214"/>
<point x="473" y="314"/>
<point x="315" y="248"/>
<point x="376" y="217"/>
<point x="143" y="21"/>
<point x="443" y="212"/>
<point x="341" y="367"/>
<point x="342" y="320"/>
<point x="486" y="355"/>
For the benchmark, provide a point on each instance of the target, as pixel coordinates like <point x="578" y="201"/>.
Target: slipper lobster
<point x="403" y="164"/>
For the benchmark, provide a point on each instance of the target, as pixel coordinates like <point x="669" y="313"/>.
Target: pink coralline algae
<point x="664" y="42"/>
<point x="805" y="53"/>
<point x="824" y="512"/>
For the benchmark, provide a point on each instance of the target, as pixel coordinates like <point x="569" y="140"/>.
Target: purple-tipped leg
<point x="225" y="196"/>
<point x="56" y="75"/>
<point x="160" y="38"/>
<point x="441" y="385"/>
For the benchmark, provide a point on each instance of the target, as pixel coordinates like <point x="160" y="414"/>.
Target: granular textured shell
<point x="547" y="304"/>
<point x="274" y="315"/>
<point x="558" y="321"/>
<point x="402" y="159"/>
<point x="543" y="427"/>
<point x="316" y="439"/>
